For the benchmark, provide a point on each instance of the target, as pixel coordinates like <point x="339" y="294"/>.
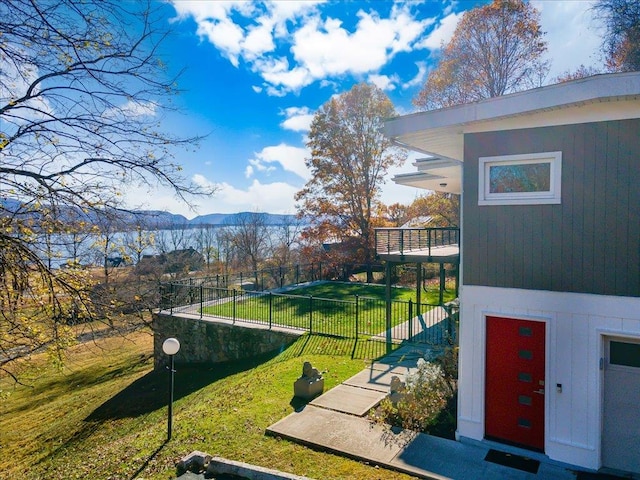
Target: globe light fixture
<point x="170" y="347"/>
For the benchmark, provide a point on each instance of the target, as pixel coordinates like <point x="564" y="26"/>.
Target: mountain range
<point x="154" y="218"/>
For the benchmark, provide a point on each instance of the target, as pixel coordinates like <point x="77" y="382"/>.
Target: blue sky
<point x="257" y="71"/>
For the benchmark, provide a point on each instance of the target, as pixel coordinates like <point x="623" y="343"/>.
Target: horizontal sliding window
<point x="520" y="179"/>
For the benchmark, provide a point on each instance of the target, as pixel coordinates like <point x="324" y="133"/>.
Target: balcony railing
<point x="402" y="241"/>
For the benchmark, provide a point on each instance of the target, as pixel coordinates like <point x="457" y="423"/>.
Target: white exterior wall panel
<point x="576" y="325"/>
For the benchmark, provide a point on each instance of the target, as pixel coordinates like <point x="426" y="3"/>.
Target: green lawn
<point x="329" y="308"/>
<point x="347" y="290"/>
<point x="104" y="415"/>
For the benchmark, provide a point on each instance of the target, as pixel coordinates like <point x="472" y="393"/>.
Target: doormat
<point x="598" y="476"/>
<point x="514" y="461"/>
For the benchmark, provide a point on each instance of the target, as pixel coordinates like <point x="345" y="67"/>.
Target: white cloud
<point x="257" y="164"/>
<point x="16" y="82"/>
<point x="419" y="78"/>
<point x="298" y="119"/>
<point x="319" y="47"/>
<point x="277" y="197"/>
<point x="276" y="73"/>
<point x="572" y="34"/>
<point x="325" y="48"/>
<point x="442" y="33"/>
<point x="383" y="82"/>
<point x="225" y="35"/>
<point x="259" y="40"/>
<point x="131" y="109"/>
<point x="203" y="182"/>
<point x="290" y="159"/>
<point x="158" y="197"/>
<point x="138" y="109"/>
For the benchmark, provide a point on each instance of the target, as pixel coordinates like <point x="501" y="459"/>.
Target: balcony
<point x="429" y="245"/>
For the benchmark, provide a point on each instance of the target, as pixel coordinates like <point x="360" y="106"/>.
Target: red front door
<point x="514" y="395"/>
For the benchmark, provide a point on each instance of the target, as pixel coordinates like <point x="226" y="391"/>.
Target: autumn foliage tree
<point x="349" y="159"/>
<point x="442" y="209"/>
<point x="621" y="43"/>
<point x="496" y="49"/>
<point x="82" y="93"/>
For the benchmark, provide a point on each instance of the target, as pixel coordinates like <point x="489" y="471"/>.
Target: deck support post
<point x="418" y="288"/>
<point x="387" y="294"/>
<point x="442" y="284"/>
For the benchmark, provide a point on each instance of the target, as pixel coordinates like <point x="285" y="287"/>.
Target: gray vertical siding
<point x="588" y="243"/>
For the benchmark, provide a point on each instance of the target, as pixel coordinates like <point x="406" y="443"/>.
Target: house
<point x="550" y="264"/>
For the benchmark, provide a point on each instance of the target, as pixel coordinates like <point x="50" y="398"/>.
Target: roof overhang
<point x="441" y="132"/>
<point x="439" y="174"/>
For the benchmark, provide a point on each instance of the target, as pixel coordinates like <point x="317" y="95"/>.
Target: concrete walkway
<point x="337" y="421"/>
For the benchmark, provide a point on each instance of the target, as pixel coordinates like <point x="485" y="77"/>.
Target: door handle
<point x="539" y="392"/>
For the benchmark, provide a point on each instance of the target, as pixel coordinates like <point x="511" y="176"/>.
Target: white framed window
<point x="525" y="179"/>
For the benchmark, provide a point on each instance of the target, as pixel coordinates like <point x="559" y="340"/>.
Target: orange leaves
<point x="496" y="49"/>
<point x="349" y="160"/>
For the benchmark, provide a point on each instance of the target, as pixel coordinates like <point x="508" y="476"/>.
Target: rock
<point x="194" y="462"/>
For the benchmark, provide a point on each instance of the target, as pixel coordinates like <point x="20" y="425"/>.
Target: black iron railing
<point x="360" y="317"/>
<point x="407" y="240"/>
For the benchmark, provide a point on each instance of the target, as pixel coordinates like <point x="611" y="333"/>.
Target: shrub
<point x="428" y="397"/>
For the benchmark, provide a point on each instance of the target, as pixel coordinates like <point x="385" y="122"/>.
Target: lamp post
<point x="170" y="347"/>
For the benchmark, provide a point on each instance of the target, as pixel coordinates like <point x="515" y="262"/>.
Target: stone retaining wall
<point x="207" y="341"/>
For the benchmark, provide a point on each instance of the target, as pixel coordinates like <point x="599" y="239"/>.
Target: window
<point x="520" y="179"/>
<point x="625" y="354"/>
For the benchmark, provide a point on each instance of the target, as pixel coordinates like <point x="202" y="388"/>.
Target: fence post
<point x="233" y="314"/>
<point x="357" y="316"/>
<point x="171" y="300"/>
<point x="410" y="319"/>
<point x="310" y="313"/>
<point x="270" y="309"/>
<point x="201" y="300"/>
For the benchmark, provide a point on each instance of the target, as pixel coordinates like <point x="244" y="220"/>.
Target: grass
<point x="347" y="290"/>
<point x="104" y="414"/>
<point x="329" y="307"/>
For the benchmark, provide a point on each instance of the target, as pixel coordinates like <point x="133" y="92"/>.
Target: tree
<point x="395" y="214"/>
<point x="286" y="239"/>
<point x="443" y="209"/>
<point x="349" y="159"/>
<point x="206" y="241"/>
<point x="82" y="89"/>
<point x="495" y="49"/>
<point x="250" y="239"/>
<point x="621" y="43"/>
<point x="137" y="240"/>
<point x="581" y="72"/>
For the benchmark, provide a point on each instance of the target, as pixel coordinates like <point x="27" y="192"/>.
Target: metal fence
<point x="277" y="277"/>
<point x="361" y="317"/>
<point x="407" y="240"/>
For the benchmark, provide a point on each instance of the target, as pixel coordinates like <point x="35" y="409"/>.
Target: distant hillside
<point x="222" y="219"/>
<point x="155" y="218"/>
